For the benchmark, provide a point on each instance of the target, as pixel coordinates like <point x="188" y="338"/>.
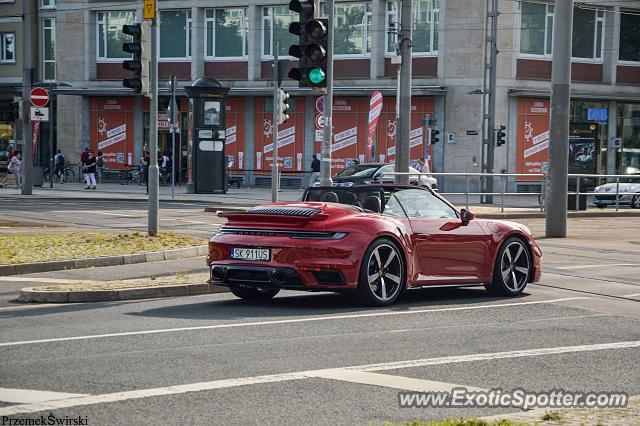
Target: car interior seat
<point x="372" y="203"/>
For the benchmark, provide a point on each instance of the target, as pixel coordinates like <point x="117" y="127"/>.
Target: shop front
<point x="588" y="130"/>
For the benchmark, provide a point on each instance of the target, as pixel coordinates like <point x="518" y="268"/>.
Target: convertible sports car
<point x="370" y="242"/>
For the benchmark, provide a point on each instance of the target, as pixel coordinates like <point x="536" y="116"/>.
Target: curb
<point x="127" y="259"/>
<point x="33" y="295"/>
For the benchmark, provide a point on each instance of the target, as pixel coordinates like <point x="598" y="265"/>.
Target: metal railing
<point x="542" y="181"/>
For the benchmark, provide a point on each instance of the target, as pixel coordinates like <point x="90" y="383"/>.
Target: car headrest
<point x="348" y="198"/>
<point x="372" y="203"/>
<point x="330" y="197"/>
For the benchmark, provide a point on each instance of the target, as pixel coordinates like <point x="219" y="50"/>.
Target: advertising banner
<point x="532" y="137"/>
<point x="112" y="130"/>
<point x="375" y="109"/>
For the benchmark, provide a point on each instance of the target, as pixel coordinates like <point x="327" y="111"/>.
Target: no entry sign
<point x="39" y="97"/>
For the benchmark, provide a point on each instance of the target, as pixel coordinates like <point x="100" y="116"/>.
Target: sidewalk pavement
<point x="515" y="206"/>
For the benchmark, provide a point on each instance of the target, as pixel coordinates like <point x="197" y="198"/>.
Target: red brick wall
<point x="227" y="70"/>
<point x="628" y="75"/>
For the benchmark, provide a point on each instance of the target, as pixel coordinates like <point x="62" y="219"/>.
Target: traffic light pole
<point x="325" y="148"/>
<point x="276" y="118"/>
<point x="404" y="128"/>
<point x="27" y="136"/>
<point x="174" y="127"/>
<point x="153" y="136"/>
<point x="491" y="117"/>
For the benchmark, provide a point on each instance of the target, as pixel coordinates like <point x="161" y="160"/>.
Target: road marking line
<point x="288" y="321"/>
<point x="275" y="378"/>
<point x="389" y="381"/>
<point x="41" y="280"/>
<point x="34" y="306"/>
<point x="26" y="396"/>
<point x="596" y="266"/>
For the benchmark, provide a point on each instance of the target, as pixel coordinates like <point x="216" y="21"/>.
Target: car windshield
<point x="360" y="170"/>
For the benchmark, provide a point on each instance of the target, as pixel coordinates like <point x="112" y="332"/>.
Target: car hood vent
<point x="285" y="211"/>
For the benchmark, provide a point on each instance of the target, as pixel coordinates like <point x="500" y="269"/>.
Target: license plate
<point x="260" y="254"/>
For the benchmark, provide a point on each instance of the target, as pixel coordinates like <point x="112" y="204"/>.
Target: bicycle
<point x="69" y="174"/>
<point x="126" y="176"/>
<point x="165" y="177"/>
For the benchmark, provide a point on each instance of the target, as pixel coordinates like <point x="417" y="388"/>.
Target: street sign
<point x="39" y="114"/>
<point x="39" y="97"/>
<point x="319" y="121"/>
<point x="616" y="143"/>
<point x="149" y="9"/>
<point x="320" y="104"/>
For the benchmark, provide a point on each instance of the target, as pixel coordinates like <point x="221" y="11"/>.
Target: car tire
<point x="382" y="274"/>
<point x="253" y="293"/>
<point x="512" y="268"/>
<point x="635" y="202"/>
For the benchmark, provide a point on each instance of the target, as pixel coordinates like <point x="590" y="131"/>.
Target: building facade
<point x="79" y="53"/>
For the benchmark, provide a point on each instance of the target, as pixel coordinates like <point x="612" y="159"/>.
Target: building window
<point x="275" y="27"/>
<point x="175" y="34"/>
<point x="109" y="34"/>
<point x="630" y="37"/>
<point x="536" y="31"/>
<point x="587" y="33"/>
<point x="226" y="33"/>
<point x="8" y="54"/>
<point x="536" y="28"/>
<point x="352" y="30"/>
<point x="49" y="49"/>
<point x="48" y="4"/>
<point x="426" y="16"/>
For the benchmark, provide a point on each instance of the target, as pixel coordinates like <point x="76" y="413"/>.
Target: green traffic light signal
<point x="316" y="75"/>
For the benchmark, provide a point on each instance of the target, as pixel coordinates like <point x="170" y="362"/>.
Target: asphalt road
<point x="315" y="359"/>
<point x="109" y="215"/>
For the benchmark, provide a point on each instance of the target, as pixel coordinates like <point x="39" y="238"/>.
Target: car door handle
<point x="422" y="237"/>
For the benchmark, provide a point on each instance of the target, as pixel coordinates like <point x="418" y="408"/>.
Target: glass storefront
<point x="592" y="118"/>
<point x="628" y="128"/>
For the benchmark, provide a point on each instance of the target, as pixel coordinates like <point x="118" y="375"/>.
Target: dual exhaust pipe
<point x="277" y="277"/>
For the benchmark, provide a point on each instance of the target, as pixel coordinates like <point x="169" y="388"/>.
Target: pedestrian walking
<point x="58" y="166"/>
<point x="100" y="166"/>
<point x="15" y="167"/>
<point x="90" y="171"/>
<point x="315" y="170"/>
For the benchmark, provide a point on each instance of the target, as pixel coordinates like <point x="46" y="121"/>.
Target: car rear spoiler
<point x="270" y="218"/>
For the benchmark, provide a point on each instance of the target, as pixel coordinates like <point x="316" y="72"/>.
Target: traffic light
<point x="500" y="136"/>
<point x="434" y="135"/>
<point x="16" y="108"/>
<point x="140" y="48"/>
<point x="283" y="106"/>
<point x="311" y="49"/>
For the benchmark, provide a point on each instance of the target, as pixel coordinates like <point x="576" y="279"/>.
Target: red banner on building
<point x="375" y="109"/>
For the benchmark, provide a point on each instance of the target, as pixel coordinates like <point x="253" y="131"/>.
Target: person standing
<point x="100" y="165"/>
<point x="423" y="166"/>
<point x="315" y="170"/>
<point x="58" y="166"/>
<point x="83" y="159"/>
<point x="15" y="167"/>
<point x="90" y="171"/>
<point x="146" y="160"/>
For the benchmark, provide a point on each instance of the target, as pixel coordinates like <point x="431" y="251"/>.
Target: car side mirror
<point x="466" y="216"/>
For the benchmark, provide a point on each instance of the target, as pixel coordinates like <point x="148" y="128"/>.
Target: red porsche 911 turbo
<point x="370" y="242"/>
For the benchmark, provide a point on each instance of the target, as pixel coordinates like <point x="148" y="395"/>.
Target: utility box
<point x="207" y="160"/>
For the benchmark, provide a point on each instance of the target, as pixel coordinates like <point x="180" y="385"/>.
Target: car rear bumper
<point x="276" y="277"/>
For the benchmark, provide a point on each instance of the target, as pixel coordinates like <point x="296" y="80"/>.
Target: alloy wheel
<point x="515" y="266"/>
<point x="384" y="272"/>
